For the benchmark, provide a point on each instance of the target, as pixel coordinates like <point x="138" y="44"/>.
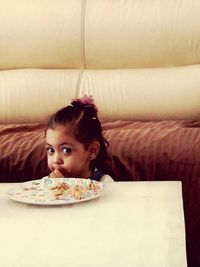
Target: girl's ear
<point x="94" y="148"/>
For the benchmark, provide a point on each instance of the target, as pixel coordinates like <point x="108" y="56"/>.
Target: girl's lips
<point x="58" y="173"/>
<point x="63" y="172"/>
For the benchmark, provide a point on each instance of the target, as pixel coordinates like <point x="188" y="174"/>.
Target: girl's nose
<point x="57" y="159"/>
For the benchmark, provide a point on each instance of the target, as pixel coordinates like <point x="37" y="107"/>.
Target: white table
<point x="135" y="224"/>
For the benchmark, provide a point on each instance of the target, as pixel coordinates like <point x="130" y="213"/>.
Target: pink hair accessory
<point x="87" y="101"/>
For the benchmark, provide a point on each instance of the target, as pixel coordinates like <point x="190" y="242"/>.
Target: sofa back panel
<point x="99" y="34"/>
<point x="40" y="34"/>
<point x="145" y="94"/>
<point x="31" y="95"/>
<point x="28" y="96"/>
<point x="134" y="34"/>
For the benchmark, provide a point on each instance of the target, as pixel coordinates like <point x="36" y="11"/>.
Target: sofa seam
<point x="79" y="82"/>
<point x="83" y="59"/>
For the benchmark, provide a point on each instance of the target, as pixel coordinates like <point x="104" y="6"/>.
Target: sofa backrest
<point x="139" y="59"/>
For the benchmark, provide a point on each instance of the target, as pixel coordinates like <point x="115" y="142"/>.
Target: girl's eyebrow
<point x="48" y="144"/>
<point x="62" y="144"/>
<point x="68" y="144"/>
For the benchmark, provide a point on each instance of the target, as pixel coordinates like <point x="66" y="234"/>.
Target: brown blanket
<point x="164" y="150"/>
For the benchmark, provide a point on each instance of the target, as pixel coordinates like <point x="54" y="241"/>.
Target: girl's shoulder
<point x="106" y="178"/>
<point x="100" y="176"/>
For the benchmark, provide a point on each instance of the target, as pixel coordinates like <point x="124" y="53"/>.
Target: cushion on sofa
<point x="22" y="156"/>
<point x="163" y="150"/>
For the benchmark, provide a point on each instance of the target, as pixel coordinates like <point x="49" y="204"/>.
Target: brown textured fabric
<point x="163" y="150"/>
<point x="22" y="153"/>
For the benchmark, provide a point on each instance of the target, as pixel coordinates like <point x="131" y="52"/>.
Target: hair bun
<point x="87" y="104"/>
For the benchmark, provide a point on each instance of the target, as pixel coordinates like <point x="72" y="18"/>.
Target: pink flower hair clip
<point x="87" y="101"/>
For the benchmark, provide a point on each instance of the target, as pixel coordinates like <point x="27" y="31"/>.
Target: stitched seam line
<point x="83" y="34"/>
<point x="79" y="82"/>
<point x="82" y="48"/>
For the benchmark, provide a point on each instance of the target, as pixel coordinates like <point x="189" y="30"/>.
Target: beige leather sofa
<point x="139" y="59"/>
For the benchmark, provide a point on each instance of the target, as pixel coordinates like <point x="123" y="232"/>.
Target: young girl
<point x="74" y="142"/>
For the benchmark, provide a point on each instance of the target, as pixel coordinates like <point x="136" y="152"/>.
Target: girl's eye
<point x="66" y="150"/>
<point x="50" y="150"/>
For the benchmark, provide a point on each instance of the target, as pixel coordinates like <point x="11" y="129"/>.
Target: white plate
<point x="39" y="192"/>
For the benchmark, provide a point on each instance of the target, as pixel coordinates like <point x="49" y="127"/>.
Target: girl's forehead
<point x="60" y="135"/>
<point x="60" y="129"/>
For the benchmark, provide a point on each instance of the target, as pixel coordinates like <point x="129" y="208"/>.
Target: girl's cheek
<point x="50" y="165"/>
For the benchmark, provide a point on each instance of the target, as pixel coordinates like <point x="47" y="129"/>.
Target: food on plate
<point x="76" y="191"/>
<point x="92" y="185"/>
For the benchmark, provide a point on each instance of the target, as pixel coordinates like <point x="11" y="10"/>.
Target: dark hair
<point x="81" y="118"/>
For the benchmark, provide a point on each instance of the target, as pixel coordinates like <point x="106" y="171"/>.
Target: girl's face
<point x="68" y="155"/>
